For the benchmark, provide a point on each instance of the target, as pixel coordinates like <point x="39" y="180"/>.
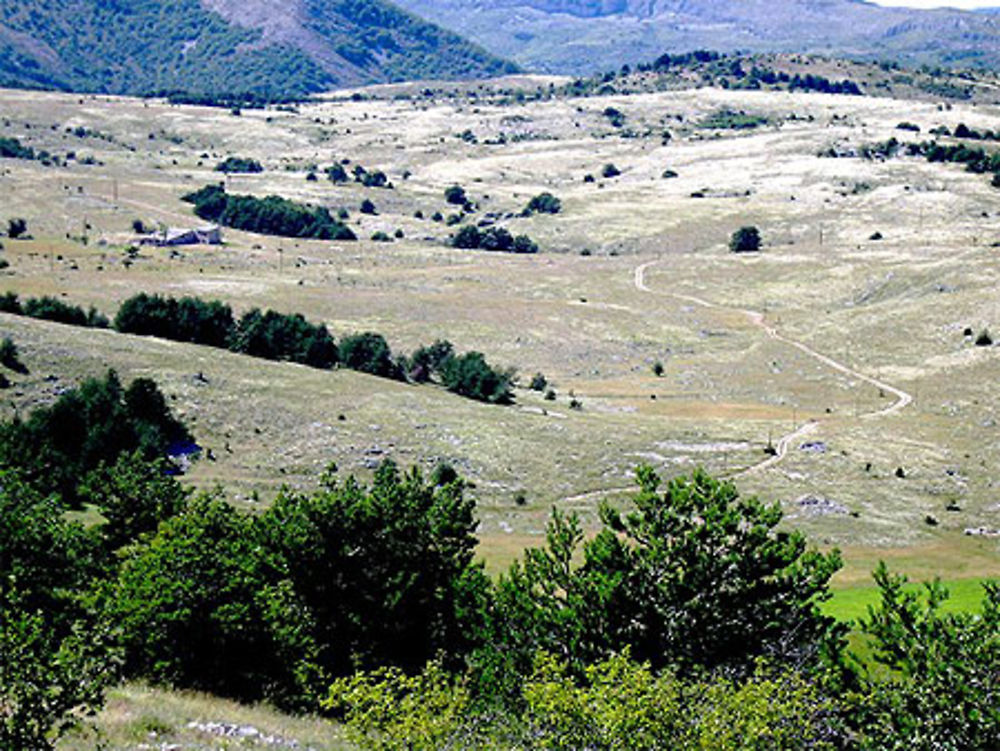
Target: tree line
<point x="691" y="620"/>
<point x="272" y="215"/>
<point x="975" y="158"/>
<point x="282" y="336"/>
<point x="52" y="309"/>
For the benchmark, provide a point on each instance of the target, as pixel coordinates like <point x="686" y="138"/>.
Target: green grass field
<point x="965" y="596"/>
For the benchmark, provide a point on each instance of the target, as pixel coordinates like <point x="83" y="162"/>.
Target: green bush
<point x="279" y="336"/>
<point x="934" y="683"/>
<point x="492" y="238"/>
<point x="616" y="704"/>
<point x="11" y="148"/>
<point x="744" y="240"/>
<point x="185" y="320"/>
<point x="693" y="577"/>
<point x="368" y="352"/>
<point x="385" y="573"/>
<point x="133" y="495"/>
<point x="427" y="361"/>
<point x="53" y="309"/>
<point x="238" y="164"/>
<point x="272" y="215"/>
<point x="470" y="375"/>
<point x="49" y="680"/>
<point x="196" y="607"/>
<point x="9" y="356"/>
<point x="336" y="174"/>
<point x="57" y="445"/>
<point x="16" y="228"/>
<point x="455" y="194"/>
<point x="543" y="203"/>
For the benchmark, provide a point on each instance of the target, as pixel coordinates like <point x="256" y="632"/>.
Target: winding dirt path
<point x="902" y="398"/>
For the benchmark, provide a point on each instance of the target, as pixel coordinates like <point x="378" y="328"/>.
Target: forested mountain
<point x="580" y="36"/>
<point x="274" y="48"/>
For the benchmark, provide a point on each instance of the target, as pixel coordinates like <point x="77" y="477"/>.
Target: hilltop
<point x="581" y="36"/>
<point x="276" y="50"/>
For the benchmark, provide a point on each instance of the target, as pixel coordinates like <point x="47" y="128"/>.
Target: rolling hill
<point x="273" y="49"/>
<point x="581" y="36"/>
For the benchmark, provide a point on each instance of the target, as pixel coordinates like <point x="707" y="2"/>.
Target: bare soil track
<point x="902" y="398"/>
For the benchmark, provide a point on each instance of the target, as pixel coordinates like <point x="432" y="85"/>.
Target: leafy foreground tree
<point x="694" y="577"/>
<point x="55" y="662"/>
<point x="133" y="495"/>
<point x="939" y="688"/>
<point x="273" y="606"/>
<point x="199" y="606"/>
<point x="49" y="681"/>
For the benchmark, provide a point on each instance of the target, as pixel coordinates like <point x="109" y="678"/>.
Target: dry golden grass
<point x="892" y="309"/>
<point x="141" y="717"/>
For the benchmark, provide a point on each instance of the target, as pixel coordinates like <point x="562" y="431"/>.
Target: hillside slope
<point x="586" y="35"/>
<point x="274" y="48"/>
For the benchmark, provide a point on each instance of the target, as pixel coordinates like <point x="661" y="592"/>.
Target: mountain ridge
<point x="572" y="36"/>
<point x="279" y="49"/>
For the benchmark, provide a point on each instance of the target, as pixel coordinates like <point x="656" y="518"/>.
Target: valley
<point x="830" y="371"/>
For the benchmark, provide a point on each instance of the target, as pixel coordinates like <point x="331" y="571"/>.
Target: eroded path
<point x="902" y="398"/>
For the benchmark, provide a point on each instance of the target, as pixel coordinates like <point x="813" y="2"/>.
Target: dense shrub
<point x="11" y="148"/>
<point x="385" y="572"/>
<point x="543" y="203"/>
<point x="455" y="194"/>
<point x="238" y="164"/>
<point x="693" y="577"/>
<point x="935" y="685"/>
<point x="427" y="361"/>
<point x="56" y="446"/>
<point x="17" y="227"/>
<point x="134" y="495"/>
<point x="492" y="238"/>
<point x="336" y="173"/>
<point x="53" y="309"/>
<point x="278" y="336"/>
<point x="196" y="606"/>
<point x="271" y="606"/>
<point x="369" y="353"/>
<point x="185" y="320"/>
<point x="49" y="678"/>
<point x="616" y="704"/>
<point x="744" y="240"/>
<point x="470" y="375"/>
<point x="9" y="356"/>
<point x="272" y="215"/>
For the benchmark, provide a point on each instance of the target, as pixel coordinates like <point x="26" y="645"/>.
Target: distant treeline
<point x="726" y="67"/>
<point x="272" y="215"/>
<point x="808" y="82"/>
<point x="11" y="148"/>
<point x="282" y="336"/>
<point x="52" y="309"/>
<point x="964" y="131"/>
<point x="239" y="164"/>
<point x="243" y="100"/>
<point x="976" y="159"/>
